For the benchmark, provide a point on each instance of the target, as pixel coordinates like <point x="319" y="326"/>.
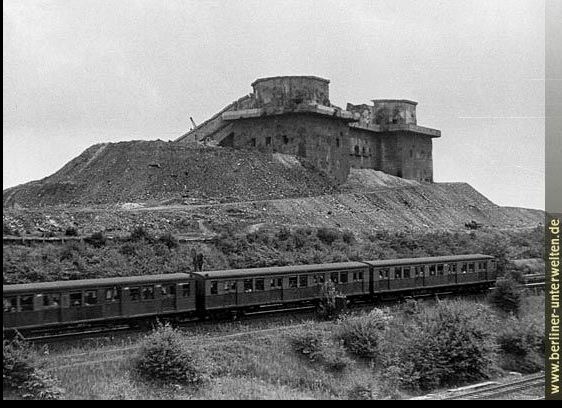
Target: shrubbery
<point x="71" y="232"/>
<point x="523" y="345"/>
<point x="165" y="357"/>
<point x="507" y="296"/>
<point x="449" y="345"/>
<point x="318" y="348"/>
<point x="97" y="239"/>
<point x="22" y="374"/>
<point x="362" y="335"/>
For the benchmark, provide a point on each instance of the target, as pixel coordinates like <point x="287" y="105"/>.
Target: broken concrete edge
<point x="398" y="128"/>
<point x="314" y="109"/>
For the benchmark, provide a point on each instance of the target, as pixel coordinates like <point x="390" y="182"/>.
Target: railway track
<point x="497" y="391"/>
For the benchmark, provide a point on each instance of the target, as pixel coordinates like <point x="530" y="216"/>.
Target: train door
<point x="418" y="275"/>
<point x="408" y="278"/>
<point x="451" y="271"/>
<point x="112" y="301"/>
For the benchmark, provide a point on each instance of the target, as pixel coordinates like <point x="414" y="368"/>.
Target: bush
<point x="97" y="239"/>
<point x="71" y="232"/>
<point x="164" y="357"/>
<point x="169" y="240"/>
<point x="507" y="296"/>
<point x="362" y="335"/>
<point x="449" y="345"/>
<point x="523" y="344"/>
<point x="328" y="235"/>
<point x="140" y="234"/>
<point x="21" y="373"/>
<point x="314" y="345"/>
<point x="331" y="303"/>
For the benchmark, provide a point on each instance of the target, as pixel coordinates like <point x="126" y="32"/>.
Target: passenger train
<point x="199" y="295"/>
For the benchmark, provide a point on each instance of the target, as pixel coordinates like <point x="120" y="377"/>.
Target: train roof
<point x="278" y="270"/>
<point x="92" y="283"/>
<point x="432" y="259"/>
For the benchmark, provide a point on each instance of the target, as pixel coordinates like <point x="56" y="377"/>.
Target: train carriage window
<point x="248" y="285"/>
<point x="319" y="279"/>
<point x="276" y="283"/>
<point x="10" y="305"/>
<point x="453" y="268"/>
<point x="230" y="287"/>
<point x="185" y="289"/>
<point x="407" y="273"/>
<point x="397" y="273"/>
<point x="383" y="274"/>
<point x="357" y="276"/>
<point x="471" y="267"/>
<point x="51" y="301"/>
<point x="334" y="277"/>
<point x="214" y="288"/>
<point x="418" y="271"/>
<point x="26" y="303"/>
<point x="463" y="268"/>
<point x="482" y="266"/>
<point x="134" y="294"/>
<point x="76" y="299"/>
<point x="168" y="291"/>
<point x="440" y="270"/>
<point x="293" y="281"/>
<point x="344" y="277"/>
<point x="148" y="293"/>
<point x="113" y="295"/>
<point x="260" y="284"/>
<point x="432" y="270"/>
<point x="303" y="281"/>
<point x="91" y="298"/>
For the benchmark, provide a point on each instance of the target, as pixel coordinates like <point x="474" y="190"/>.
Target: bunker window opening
<point x="91" y="298"/>
<point x="248" y="285"/>
<point x="260" y="284"/>
<point x="76" y="299"/>
<point x="185" y="289"/>
<point x="303" y="281"/>
<point x="292" y="282"/>
<point x="214" y="288"/>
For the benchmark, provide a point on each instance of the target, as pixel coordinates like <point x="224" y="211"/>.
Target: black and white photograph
<point x="282" y="199"/>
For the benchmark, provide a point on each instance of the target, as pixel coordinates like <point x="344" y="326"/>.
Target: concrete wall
<point x="390" y="111"/>
<point x="290" y="91"/>
<point x="402" y="154"/>
<point x="321" y="140"/>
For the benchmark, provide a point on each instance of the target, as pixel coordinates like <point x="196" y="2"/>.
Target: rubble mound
<point x="157" y="172"/>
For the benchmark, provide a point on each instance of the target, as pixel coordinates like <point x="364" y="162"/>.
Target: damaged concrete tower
<point x="294" y="115"/>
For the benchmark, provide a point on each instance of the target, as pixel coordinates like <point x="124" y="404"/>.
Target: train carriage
<point x="246" y="288"/>
<point x="28" y="306"/>
<point x="407" y="274"/>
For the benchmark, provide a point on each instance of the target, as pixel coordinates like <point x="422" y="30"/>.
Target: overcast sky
<point x="77" y="72"/>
